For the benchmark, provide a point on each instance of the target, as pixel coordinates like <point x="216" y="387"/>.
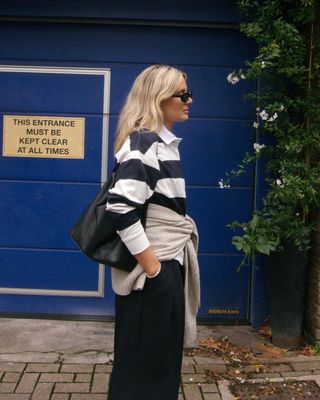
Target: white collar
<point x="167" y="136"/>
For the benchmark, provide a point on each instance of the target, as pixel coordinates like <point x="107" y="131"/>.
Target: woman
<point x="156" y="303"/>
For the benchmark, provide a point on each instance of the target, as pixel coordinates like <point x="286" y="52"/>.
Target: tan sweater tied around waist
<point x="168" y="233"/>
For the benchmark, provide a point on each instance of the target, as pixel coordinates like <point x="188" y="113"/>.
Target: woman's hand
<point x="149" y="262"/>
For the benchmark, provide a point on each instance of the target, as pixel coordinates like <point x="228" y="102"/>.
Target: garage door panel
<point x="206" y="168"/>
<point x="194" y="11"/>
<point x="220" y="283"/>
<point x="40" y="215"/>
<point x="54" y="93"/>
<point x="213" y="209"/>
<point x="214" y="96"/>
<point x="112" y="43"/>
<point x="54" y="169"/>
<point x="100" y="307"/>
<point x="47" y="269"/>
<point x="202" y="167"/>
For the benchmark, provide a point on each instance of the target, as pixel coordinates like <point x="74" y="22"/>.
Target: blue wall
<point x="214" y="140"/>
<point x="164" y="10"/>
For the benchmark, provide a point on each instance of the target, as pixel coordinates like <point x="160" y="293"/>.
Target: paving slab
<point x="208" y="360"/>
<point x="209" y="387"/>
<point x="11" y="377"/>
<point x="72" y="360"/>
<point x="35" y="367"/>
<point x="88" y="357"/>
<point x="42" y="391"/>
<point x="66" y="337"/>
<point x="211" y="396"/>
<point x="30" y="356"/>
<point x="100" y="383"/>
<point x="225" y="393"/>
<point x="27" y="382"/>
<point x="192" y="392"/>
<point x="193" y="378"/>
<point x="56" y="377"/>
<point x="12" y="367"/>
<point x="60" y="396"/>
<point x="302" y="366"/>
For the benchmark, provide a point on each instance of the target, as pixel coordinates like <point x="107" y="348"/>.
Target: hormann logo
<point x="223" y="311"/>
<point x="43" y="137"/>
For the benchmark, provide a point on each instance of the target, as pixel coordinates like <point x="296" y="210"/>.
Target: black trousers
<point x="149" y="339"/>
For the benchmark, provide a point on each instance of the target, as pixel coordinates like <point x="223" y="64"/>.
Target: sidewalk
<point x="72" y="360"/>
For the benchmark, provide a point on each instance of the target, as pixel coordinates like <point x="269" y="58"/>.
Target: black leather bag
<point x="97" y="237"/>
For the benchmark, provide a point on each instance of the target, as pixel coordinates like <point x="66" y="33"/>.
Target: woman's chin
<point x="184" y="118"/>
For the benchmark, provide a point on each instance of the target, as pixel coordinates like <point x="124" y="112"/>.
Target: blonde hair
<point x="142" y="109"/>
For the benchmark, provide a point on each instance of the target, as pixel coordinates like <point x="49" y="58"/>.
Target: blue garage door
<point x="44" y="185"/>
<point x="40" y="197"/>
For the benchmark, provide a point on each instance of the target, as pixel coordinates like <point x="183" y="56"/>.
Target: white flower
<point x="279" y="182"/>
<point x="281" y="107"/>
<point x="257" y="147"/>
<point x="242" y="76"/>
<point x="233" y="78"/>
<point x="222" y="184"/>
<point x="264" y="115"/>
<point x="263" y="64"/>
<point x="258" y="109"/>
<point x="255" y="124"/>
<point x="271" y="119"/>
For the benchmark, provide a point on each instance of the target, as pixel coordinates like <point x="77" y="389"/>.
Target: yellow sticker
<point x="43" y="137"/>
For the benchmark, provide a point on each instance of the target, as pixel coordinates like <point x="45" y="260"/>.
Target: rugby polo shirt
<point x="148" y="167"/>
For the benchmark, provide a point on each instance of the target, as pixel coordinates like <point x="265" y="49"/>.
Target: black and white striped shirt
<point x="148" y="168"/>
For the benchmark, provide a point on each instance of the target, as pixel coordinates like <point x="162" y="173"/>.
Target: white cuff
<point x="135" y="238"/>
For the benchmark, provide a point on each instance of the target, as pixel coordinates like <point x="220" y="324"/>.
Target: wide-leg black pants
<point x="149" y="339"/>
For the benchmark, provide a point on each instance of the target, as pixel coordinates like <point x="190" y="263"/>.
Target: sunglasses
<point x="184" y="96"/>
